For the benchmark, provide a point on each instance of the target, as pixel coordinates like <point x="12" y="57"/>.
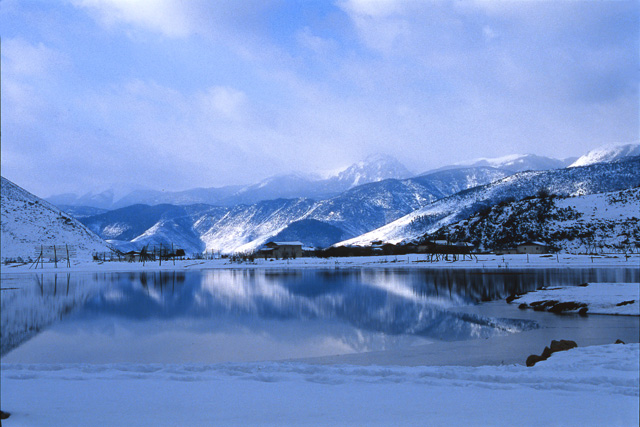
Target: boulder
<point x="511" y="297"/>
<point x="561" y="307"/>
<point x="620" y="304"/>
<point x="555" y="346"/>
<point x="533" y="359"/>
<point x="562" y="345"/>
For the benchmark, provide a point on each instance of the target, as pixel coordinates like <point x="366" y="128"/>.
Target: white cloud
<point x="169" y="17"/>
<point x="225" y="101"/>
<point x="21" y="58"/>
<point x="430" y="82"/>
<point x="372" y="8"/>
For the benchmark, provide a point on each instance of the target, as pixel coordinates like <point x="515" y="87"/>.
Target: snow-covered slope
<point x="244" y="228"/>
<point x="28" y="221"/>
<point x="592" y="179"/>
<point x="586" y="224"/>
<point x="610" y="153"/>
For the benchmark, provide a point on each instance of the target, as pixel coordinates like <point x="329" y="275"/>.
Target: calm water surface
<point x="234" y="315"/>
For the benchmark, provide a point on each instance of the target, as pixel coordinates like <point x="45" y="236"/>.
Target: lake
<point x="215" y="316"/>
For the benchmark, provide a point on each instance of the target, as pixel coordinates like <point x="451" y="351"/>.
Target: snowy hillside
<point x="598" y="178"/>
<point x="607" y="222"/>
<point x="611" y="153"/>
<point x="28" y="221"/>
<point x="245" y="227"/>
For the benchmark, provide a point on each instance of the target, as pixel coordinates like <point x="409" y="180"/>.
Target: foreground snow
<point x="601" y="298"/>
<point x="391" y="261"/>
<point x="584" y="386"/>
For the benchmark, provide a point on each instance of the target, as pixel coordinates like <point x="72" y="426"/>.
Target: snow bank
<point x="584" y="386"/>
<point x="601" y="298"/>
<point x="391" y="261"/>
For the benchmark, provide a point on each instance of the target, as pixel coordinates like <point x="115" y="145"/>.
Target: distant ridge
<point x="293" y="185"/>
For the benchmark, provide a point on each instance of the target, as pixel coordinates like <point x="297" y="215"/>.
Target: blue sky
<point x="172" y="94"/>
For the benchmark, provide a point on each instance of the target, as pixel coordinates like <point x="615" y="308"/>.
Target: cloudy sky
<point x="173" y="94"/>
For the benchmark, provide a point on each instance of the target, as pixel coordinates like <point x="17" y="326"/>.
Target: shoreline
<point x="412" y="261"/>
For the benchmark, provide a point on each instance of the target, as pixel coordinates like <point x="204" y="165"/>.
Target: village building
<point x="281" y="250"/>
<point x="532" y="248"/>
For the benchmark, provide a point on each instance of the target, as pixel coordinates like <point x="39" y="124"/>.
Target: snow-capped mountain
<point x="610" y="153"/>
<point x="186" y="197"/>
<point x="294" y="185"/>
<point x="597" y="178"/>
<point x="514" y="163"/>
<point x="245" y="227"/>
<point x="101" y="200"/>
<point x="96" y="198"/>
<point x="587" y="224"/>
<point x="28" y="222"/>
<point x="374" y="168"/>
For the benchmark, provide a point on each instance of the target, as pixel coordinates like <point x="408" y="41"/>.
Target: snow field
<point x="584" y="386"/>
<point x="601" y="298"/>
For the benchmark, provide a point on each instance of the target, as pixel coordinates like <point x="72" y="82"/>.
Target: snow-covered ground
<point x="601" y="298"/>
<point x="390" y="261"/>
<point x="584" y="386"/>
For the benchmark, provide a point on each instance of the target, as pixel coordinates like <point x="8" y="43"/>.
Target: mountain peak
<point x="373" y="168"/>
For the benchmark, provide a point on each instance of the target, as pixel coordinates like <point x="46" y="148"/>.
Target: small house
<point x="532" y="248"/>
<point x="281" y="250"/>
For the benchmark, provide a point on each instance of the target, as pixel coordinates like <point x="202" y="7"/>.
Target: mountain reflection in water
<point x="323" y="310"/>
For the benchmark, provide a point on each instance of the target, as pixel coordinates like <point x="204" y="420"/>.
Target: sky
<point x="172" y="94"/>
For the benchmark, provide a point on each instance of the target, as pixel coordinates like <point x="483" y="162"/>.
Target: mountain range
<point x="294" y="185"/>
<point x="245" y="227"/>
<point x="394" y="209"/>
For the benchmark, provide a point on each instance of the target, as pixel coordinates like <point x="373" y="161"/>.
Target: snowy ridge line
<point x="29" y="222"/>
<point x="607" y="369"/>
